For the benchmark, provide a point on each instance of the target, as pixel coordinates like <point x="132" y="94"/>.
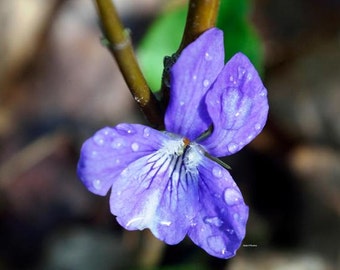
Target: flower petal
<point x="221" y="219"/>
<point x="191" y="76"/>
<point x="156" y="192"/>
<point x="238" y="106"/>
<point x="110" y="150"/>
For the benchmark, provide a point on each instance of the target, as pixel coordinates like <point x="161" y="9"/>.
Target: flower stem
<point x="202" y="15"/>
<point x="120" y="46"/>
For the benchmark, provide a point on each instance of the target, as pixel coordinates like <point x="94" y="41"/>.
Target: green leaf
<point x="162" y="39"/>
<point x="239" y="33"/>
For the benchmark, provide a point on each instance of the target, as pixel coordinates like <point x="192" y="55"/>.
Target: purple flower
<point x="169" y="181"/>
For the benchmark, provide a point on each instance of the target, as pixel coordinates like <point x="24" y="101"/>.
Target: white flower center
<point x="185" y="155"/>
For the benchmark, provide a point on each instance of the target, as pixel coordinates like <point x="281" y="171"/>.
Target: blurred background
<point x="58" y="85"/>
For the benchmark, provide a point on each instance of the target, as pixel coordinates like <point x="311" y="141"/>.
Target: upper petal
<point x="220" y="224"/>
<point x="237" y="105"/>
<point x="191" y="76"/>
<point x="110" y="150"/>
<point x="156" y="192"/>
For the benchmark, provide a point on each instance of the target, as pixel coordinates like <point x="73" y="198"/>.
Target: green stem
<point x="122" y="50"/>
<point x="218" y="161"/>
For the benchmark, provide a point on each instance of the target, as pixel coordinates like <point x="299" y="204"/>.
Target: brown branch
<point x="202" y="15"/>
<point x="29" y="156"/>
<point x="122" y="50"/>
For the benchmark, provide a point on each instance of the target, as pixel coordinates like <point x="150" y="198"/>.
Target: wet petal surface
<point x="238" y="107"/>
<point x="110" y="150"/>
<point x="220" y="224"/>
<point x="159" y="192"/>
<point x="191" y="76"/>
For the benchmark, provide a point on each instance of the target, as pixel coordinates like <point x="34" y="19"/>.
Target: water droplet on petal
<point x="226" y="253"/>
<point x="135" y="146"/>
<point x="237" y="114"/>
<point x="194" y="77"/>
<point x="213" y="221"/>
<point x="193" y="223"/>
<point x="232" y="147"/>
<point x="232" y="196"/>
<point x="146" y="132"/>
<point x="181" y="103"/>
<point x="94" y="153"/>
<point x="258" y="126"/>
<point x="216" y="243"/>
<point x="125" y="172"/>
<point x="137" y="220"/>
<point x="263" y="93"/>
<point x="165" y="223"/>
<point x="236" y="217"/>
<point x="231" y="78"/>
<point x="117" y="143"/>
<point x="241" y="71"/>
<point x="230" y="231"/>
<point x="250" y="137"/>
<point x="206" y="83"/>
<point x="99" y="139"/>
<point x="217" y="172"/>
<point x="106" y="131"/>
<point x="125" y="129"/>
<point x="97" y="184"/>
<point x="207" y="56"/>
<point x="117" y="161"/>
<point x="217" y="195"/>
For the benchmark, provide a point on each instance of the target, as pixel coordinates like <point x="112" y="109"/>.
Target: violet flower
<point x="169" y="181"/>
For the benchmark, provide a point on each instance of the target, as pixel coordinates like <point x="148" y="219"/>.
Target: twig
<point x="202" y="15"/>
<point x="122" y="50"/>
<point x="29" y="156"/>
<point x="151" y="252"/>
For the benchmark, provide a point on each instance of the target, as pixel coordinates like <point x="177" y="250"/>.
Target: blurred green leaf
<point x="164" y="36"/>
<point x="239" y="33"/>
<point x="162" y="39"/>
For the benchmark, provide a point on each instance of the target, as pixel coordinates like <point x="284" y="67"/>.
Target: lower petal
<point x="220" y="224"/>
<point x="155" y="192"/>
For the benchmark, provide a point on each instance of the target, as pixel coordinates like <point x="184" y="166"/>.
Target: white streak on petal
<point x="165" y="223"/>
